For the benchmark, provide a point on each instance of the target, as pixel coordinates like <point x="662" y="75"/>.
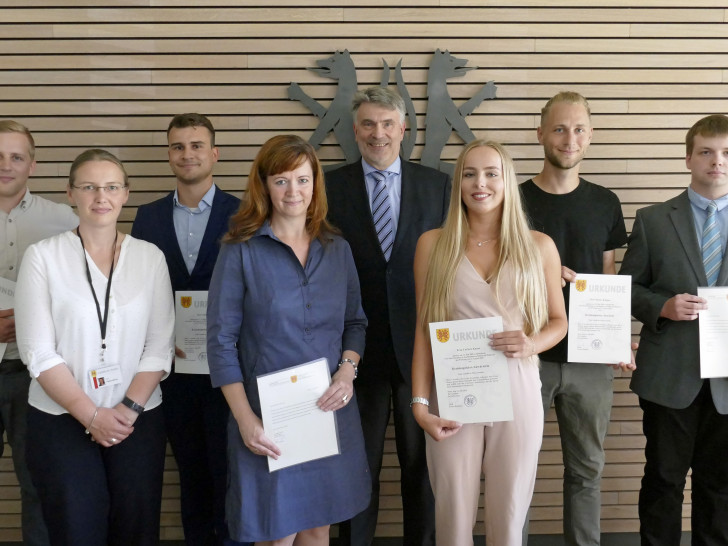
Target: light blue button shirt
<point x="699" y="204"/>
<point x="190" y="225"/>
<point x="394" y="188"/>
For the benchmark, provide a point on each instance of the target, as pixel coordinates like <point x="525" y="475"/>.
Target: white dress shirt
<point x="57" y="322"/>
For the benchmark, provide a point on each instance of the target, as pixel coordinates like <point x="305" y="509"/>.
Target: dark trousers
<point x="14" y="383"/>
<point x="196" y="420"/>
<point x="677" y="440"/>
<point x="93" y="495"/>
<point x="375" y="393"/>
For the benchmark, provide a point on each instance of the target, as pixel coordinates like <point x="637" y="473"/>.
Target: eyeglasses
<point x="112" y="189"/>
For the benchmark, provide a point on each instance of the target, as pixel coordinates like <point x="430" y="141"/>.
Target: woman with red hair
<point x="285" y="291"/>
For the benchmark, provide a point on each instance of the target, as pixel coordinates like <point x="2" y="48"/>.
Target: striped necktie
<point x="711" y="246"/>
<point x="382" y="213"/>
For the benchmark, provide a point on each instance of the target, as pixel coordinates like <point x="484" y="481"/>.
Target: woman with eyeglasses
<point x="95" y="322"/>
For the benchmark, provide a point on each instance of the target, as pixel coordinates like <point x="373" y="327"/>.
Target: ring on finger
<point x="345" y="398"/>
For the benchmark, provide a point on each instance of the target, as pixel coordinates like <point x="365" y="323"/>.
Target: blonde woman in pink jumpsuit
<point x="483" y="262"/>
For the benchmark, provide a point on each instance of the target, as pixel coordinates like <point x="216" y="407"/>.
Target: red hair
<point x="279" y="154"/>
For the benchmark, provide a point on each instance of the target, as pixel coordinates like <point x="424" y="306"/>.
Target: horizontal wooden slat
<point x="83" y="73"/>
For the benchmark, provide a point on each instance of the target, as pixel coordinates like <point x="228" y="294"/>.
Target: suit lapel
<point x="360" y="197"/>
<point x="166" y="226"/>
<point x="361" y="209"/>
<point x="406" y="207"/>
<point x="210" y="239"/>
<point x="682" y="219"/>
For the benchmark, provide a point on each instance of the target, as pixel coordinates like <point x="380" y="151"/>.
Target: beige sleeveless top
<point x="473" y="297"/>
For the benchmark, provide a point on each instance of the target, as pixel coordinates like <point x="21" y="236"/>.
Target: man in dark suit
<point x="382" y="205"/>
<point x="675" y="247"/>
<point x="187" y="226"/>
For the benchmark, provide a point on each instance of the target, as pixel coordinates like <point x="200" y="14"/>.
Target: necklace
<point x="481" y="243"/>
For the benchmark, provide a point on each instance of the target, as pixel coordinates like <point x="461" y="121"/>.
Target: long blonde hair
<point x="516" y="246"/>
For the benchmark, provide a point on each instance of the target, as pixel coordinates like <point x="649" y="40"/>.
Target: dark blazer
<point x="154" y="223"/>
<point x="664" y="259"/>
<point x="388" y="294"/>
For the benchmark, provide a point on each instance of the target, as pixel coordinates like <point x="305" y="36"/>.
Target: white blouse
<point x="57" y="323"/>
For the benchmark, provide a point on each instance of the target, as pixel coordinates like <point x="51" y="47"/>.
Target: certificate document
<point x="471" y="378"/>
<point x="713" y="327"/>
<point x="600" y="321"/>
<point x="7" y="301"/>
<point x="190" y="331"/>
<point x="291" y="418"/>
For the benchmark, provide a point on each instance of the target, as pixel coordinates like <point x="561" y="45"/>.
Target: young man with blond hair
<point x="25" y="219"/>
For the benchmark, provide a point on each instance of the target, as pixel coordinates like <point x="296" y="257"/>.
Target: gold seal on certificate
<point x="599" y="319"/>
<point x="471" y="378"/>
<point x="291" y="418"/>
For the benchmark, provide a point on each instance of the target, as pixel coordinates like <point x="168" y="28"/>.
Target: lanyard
<point x="102" y="322"/>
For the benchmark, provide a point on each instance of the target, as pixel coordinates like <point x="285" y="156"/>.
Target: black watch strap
<point x="129" y="403"/>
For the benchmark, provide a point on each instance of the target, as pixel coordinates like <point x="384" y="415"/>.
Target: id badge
<point x="106" y="376"/>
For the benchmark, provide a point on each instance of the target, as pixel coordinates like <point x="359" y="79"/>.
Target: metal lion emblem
<point x="186" y="301"/>
<point x="580" y="285"/>
<point x="443" y="334"/>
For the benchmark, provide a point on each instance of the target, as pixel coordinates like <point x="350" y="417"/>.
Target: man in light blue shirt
<point x="187" y="226"/>
<point x="676" y="247"/>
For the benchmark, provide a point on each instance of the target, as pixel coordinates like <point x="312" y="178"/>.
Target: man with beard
<point x="586" y="223"/>
<point x="187" y="226"/>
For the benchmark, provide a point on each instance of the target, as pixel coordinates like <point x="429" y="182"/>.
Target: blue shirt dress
<point x="266" y="312"/>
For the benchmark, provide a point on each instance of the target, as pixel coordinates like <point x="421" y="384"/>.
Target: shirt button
<point x="305" y="283"/>
<point x="11" y="267"/>
<point x="308" y="306"/>
<point x="11" y="243"/>
<point x="307" y="330"/>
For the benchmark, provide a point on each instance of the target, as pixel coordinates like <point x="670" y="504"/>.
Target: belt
<point x="12" y="365"/>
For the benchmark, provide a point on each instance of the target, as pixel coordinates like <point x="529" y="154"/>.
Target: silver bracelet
<point x="353" y="364"/>
<point x="419" y="400"/>
<point x="88" y="429"/>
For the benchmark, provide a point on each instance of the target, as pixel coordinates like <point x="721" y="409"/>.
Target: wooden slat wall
<point x="80" y="75"/>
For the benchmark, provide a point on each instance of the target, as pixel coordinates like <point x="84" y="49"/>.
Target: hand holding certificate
<point x="472" y="379"/>
<point x="713" y="325"/>
<point x="291" y="418"/>
<point x="600" y="319"/>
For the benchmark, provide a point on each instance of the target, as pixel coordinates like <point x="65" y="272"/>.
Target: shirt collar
<point x="266" y="231"/>
<point x="394" y="168"/>
<point x="25" y="201"/>
<point x="702" y="202"/>
<point x="205" y="202"/>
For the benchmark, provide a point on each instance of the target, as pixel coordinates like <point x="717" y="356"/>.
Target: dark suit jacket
<point x="664" y="259"/>
<point x="388" y="294"/>
<point x="154" y="223"/>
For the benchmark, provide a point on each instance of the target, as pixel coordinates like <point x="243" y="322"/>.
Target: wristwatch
<point x="129" y="403"/>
